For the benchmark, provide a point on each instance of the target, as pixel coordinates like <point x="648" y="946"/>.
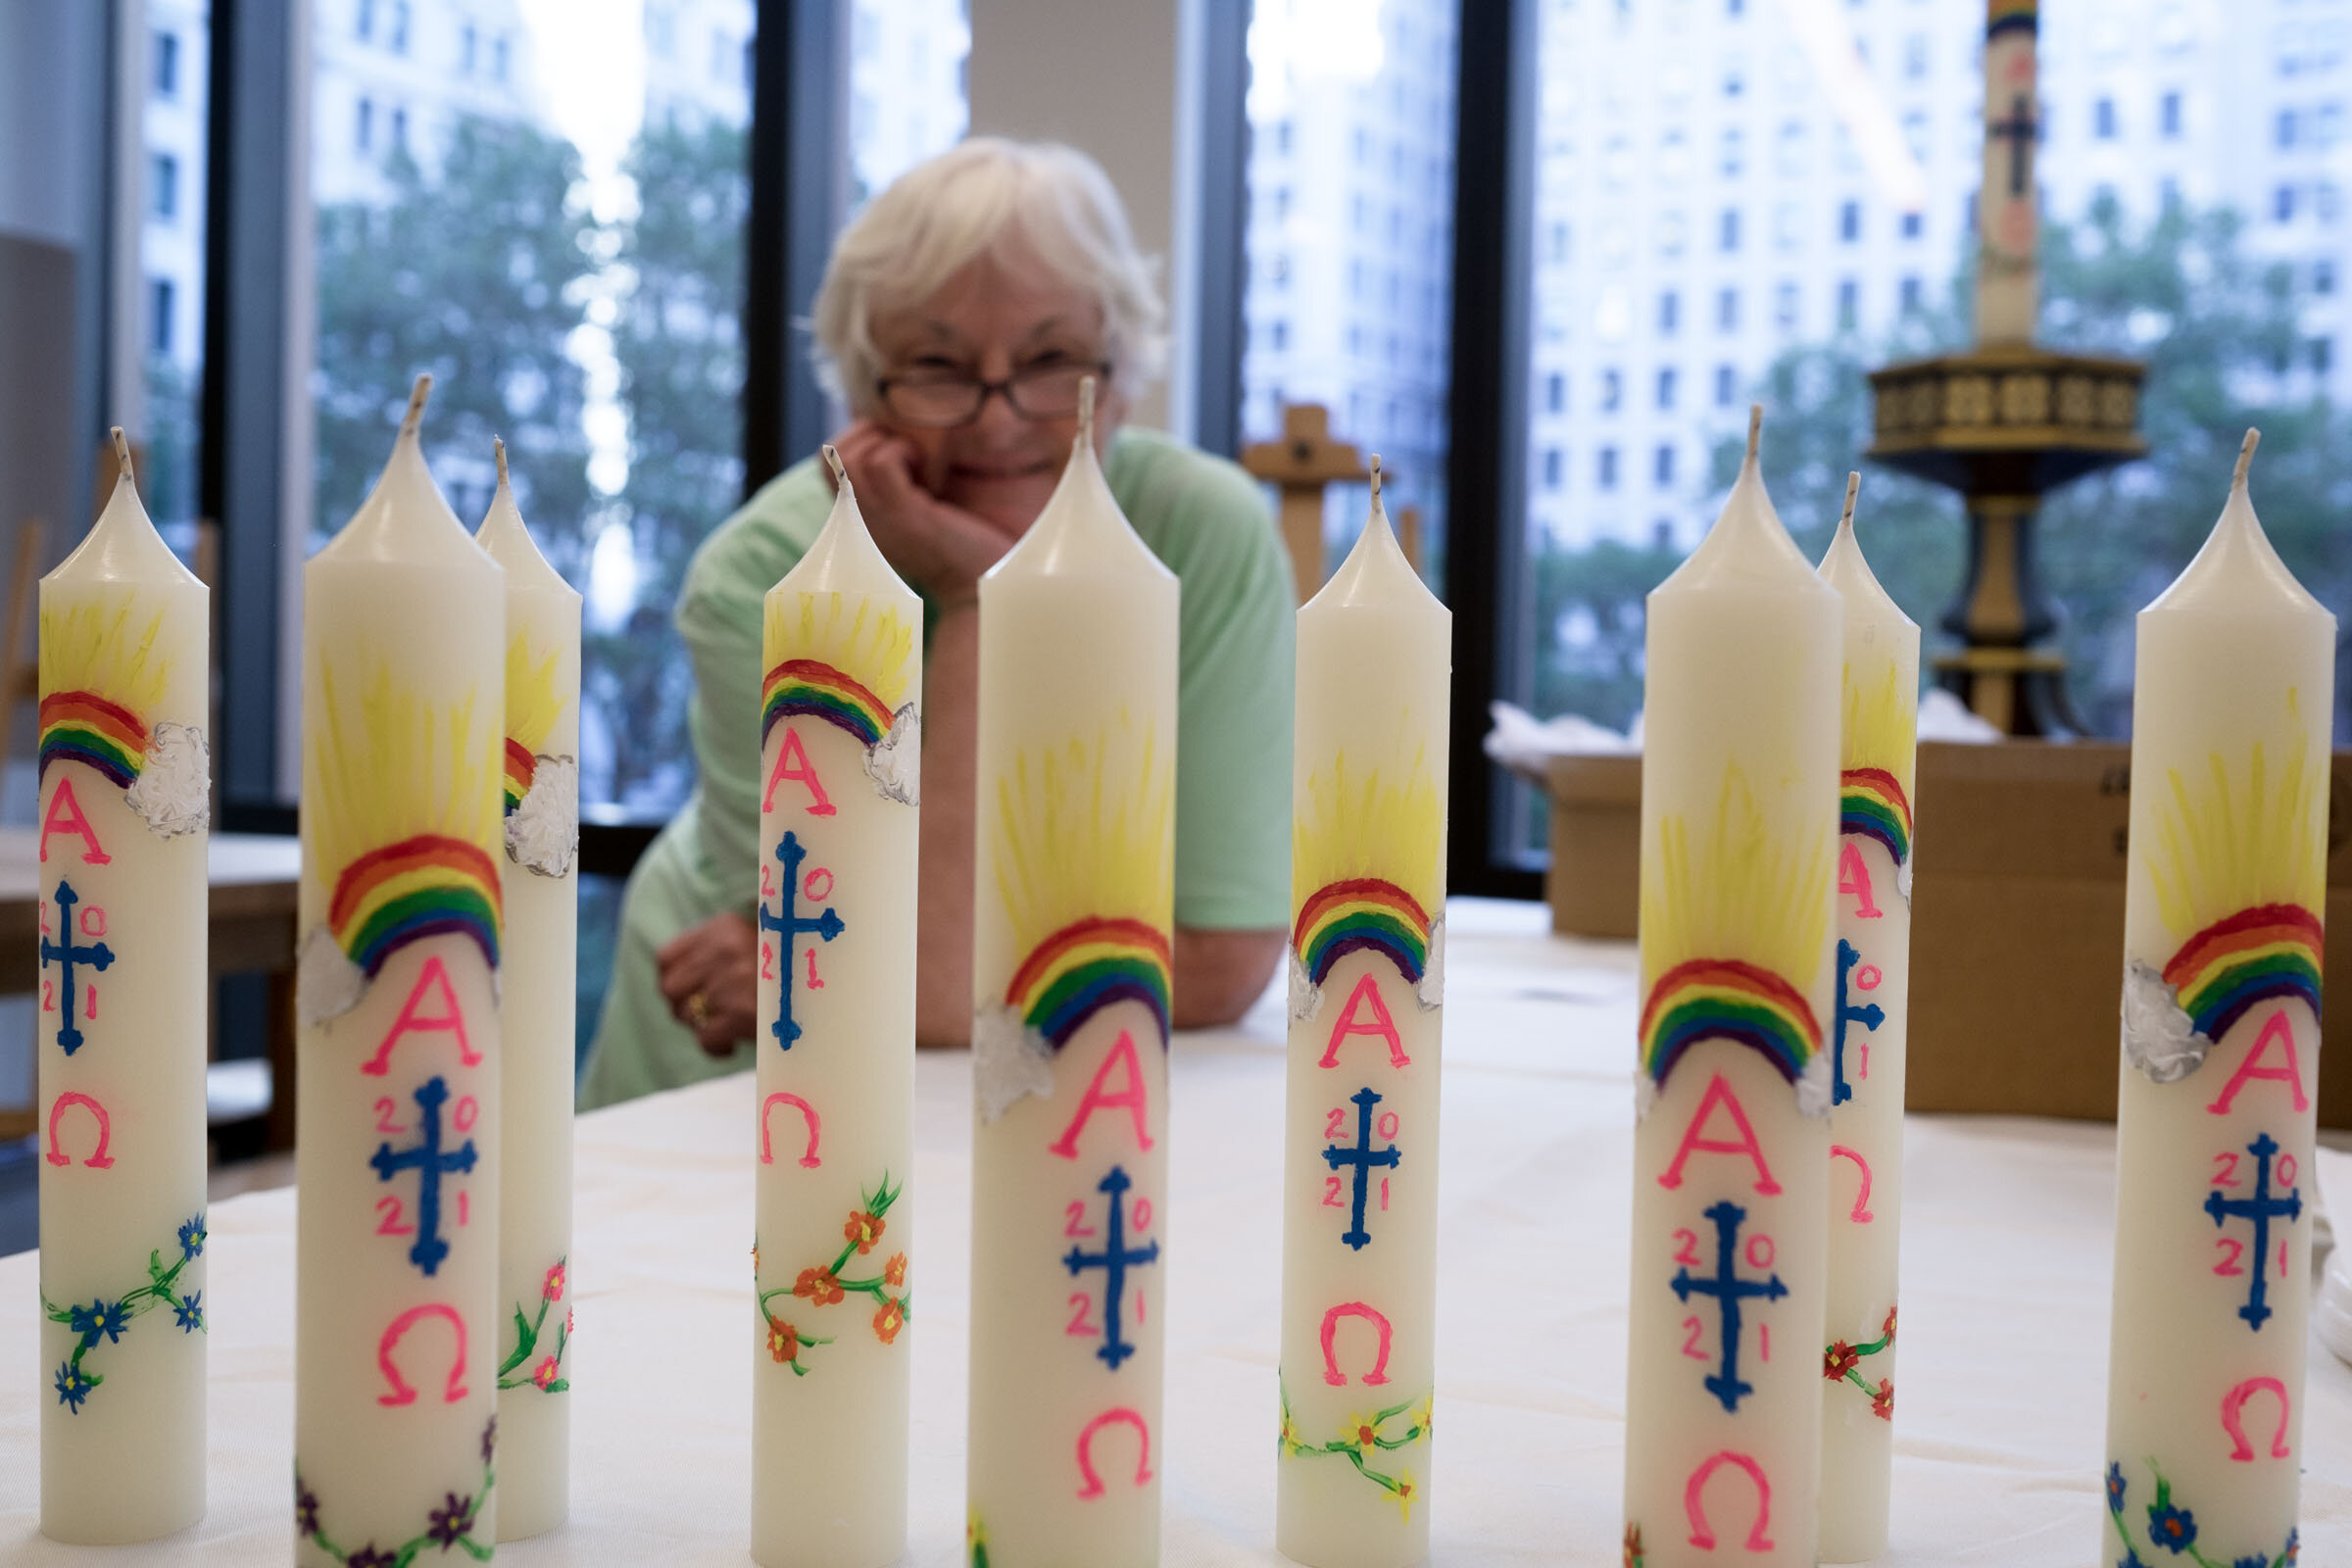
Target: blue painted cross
<point x="1115" y="1261"/>
<point x="2260" y="1208"/>
<point x="791" y="925"/>
<point x="65" y="954"/>
<point x="1363" y="1159"/>
<point x="428" y="1162"/>
<point x="1729" y="1289"/>
<point x="1869" y="1016"/>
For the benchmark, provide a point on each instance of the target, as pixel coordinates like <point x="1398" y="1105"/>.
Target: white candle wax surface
<point x="841" y="751"/>
<point x="398" y="1314"/>
<point x="1732" y="1151"/>
<point x="538" y="988"/>
<point x="1072" y="973"/>
<point x="119" y="1033"/>
<point x="2008" y="217"/>
<point x="2235" y="689"/>
<point x="1368" y="975"/>
<point x="1868" y="1025"/>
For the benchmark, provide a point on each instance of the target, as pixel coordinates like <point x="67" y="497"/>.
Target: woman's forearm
<point x="943" y="975"/>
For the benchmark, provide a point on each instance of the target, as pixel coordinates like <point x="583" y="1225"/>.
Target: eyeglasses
<point x="941" y="399"/>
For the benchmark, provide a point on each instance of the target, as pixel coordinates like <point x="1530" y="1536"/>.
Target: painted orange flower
<point x="1890" y="1325"/>
<point x="553" y="1288"/>
<point x="1882" y="1400"/>
<point x="894" y="1272"/>
<point x="783" y="1339"/>
<point x="863" y="1230"/>
<point x="818" y="1285"/>
<point x="891" y="1319"/>
<point x="1838" y="1359"/>
<point x="545" y="1372"/>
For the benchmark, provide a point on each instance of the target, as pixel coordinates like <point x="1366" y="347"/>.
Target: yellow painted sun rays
<point x="2243" y="837"/>
<point x="1880" y="728"/>
<point x="533" y="705"/>
<point x="100" y="646"/>
<point x="872" y="645"/>
<point x="1367" y="866"/>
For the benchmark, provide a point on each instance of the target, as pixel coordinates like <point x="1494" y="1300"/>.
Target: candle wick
<point x="841" y="475"/>
<point x="121" y="451"/>
<point x="1853" y="482"/>
<point x="498" y="449"/>
<point x="1755" y="428"/>
<point x="417" y="396"/>
<point x="2246" y="459"/>
<point x="1376" y="479"/>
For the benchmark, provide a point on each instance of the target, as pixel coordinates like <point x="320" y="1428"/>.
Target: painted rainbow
<point x="2000" y="15"/>
<point x="521" y="766"/>
<point x="2269" y="953"/>
<point x="811" y="688"/>
<point x="84" y="727"/>
<point x="1727" y="999"/>
<point x="405" y="892"/>
<point x="1085" y="966"/>
<point x="1361" y="913"/>
<point x="1871" y="803"/>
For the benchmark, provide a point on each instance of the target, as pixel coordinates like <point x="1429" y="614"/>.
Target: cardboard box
<point x="2016" y="933"/>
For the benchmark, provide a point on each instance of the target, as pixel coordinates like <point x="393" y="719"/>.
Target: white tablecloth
<point x="2005" y="1276"/>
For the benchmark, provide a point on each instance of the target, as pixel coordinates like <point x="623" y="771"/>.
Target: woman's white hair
<point x="949" y="211"/>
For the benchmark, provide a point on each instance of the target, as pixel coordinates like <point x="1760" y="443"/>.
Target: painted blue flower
<point x="191" y="1240"/>
<point x="2130" y="1559"/>
<point x="2258" y="1560"/>
<point x="2294" y="1548"/>
<point x="2173" y="1529"/>
<point x="107" y="1318"/>
<point x="2114" y="1488"/>
<point x="73" y="1387"/>
<point x="188" y="1312"/>
<point x="83" y="1320"/>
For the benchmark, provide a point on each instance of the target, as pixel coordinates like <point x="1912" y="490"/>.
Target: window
<point x="397" y="42"/>
<point x="1666" y="387"/>
<point x="161" y="298"/>
<point x="2322" y="276"/>
<point x="2102" y="120"/>
<point x="1670" y="311"/>
<point x="1605" y="474"/>
<point x="1662" y="467"/>
<point x="1612" y="391"/>
<point x="2282" y="205"/>
<point x="163" y="186"/>
<point x="1849" y="304"/>
<point x="501" y="58"/>
<point x="1915" y="57"/>
<point x="2168" y="115"/>
<point x="1555" y="393"/>
<point x="1361" y="187"/>
<point x="1727" y="230"/>
<point x="1911" y="296"/>
<point x="1785" y="307"/>
<point x="1727" y="386"/>
<point x="1551" y="467"/>
<point x="363" y="125"/>
<point x="1726" y="310"/>
<point x="2284" y="128"/>
<point x="363" y="26"/>
<point x="2323" y="355"/>
<point x="470" y="45"/>
<point x="167" y="64"/>
<point x="1914" y="223"/>
<point x="399" y="131"/>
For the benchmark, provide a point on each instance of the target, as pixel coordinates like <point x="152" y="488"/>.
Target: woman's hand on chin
<point x="940" y="549"/>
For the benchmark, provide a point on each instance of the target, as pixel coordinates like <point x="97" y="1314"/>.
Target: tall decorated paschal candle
<point x="1366" y="965"/>
<point x="2008" y="211"/>
<point x="120" y="1032"/>
<point x="399" y="1313"/>
<point x="1732" y="1149"/>
<point x="1071" y="972"/>
<point x="841" y="752"/>
<point x="2221" y="1029"/>
<point x="1869" y="1004"/>
<point x="538" y="983"/>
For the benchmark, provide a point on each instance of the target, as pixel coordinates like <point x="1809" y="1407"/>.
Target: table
<point x="255" y="883"/>
<point x="2006" y="1261"/>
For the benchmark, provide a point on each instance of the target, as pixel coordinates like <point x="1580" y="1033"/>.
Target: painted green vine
<point x="548" y="1375"/>
<point x="2175" y="1528"/>
<point x="1365" y="1437"/>
<point x="107" y="1320"/>
<point x="451" y="1525"/>
<point x="1842" y="1362"/>
<point x="822" y="1285"/>
<point x="1634" y="1557"/>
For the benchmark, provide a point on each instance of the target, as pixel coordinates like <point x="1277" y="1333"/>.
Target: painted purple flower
<point x="2173" y="1529"/>
<point x="489" y="1439"/>
<point x="306" y="1508"/>
<point x="191" y="1240"/>
<point x="188" y="1312"/>
<point x="368" y="1557"/>
<point x="73" y="1387"/>
<point x="451" y="1522"/>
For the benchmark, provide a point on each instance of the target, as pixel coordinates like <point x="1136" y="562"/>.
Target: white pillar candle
<point x="1072" y="973"/>
<point x="1869" y="1007"/>
<point x="398" y="1314"/>
<point x="126" y="783"/>
<point x="1359" y="1268"/>
<point x="538" y="991"/>
<point x="841" y="752"/>
<point x="1732" y="1151"/>
<point x="2008" y="217"/>
<point x="2233" y="695"/>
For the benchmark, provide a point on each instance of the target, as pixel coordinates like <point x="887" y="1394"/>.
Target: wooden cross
<point x="1300" y="465"/>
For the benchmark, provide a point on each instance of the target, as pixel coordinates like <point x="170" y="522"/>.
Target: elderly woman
<point x="958" y="314"/>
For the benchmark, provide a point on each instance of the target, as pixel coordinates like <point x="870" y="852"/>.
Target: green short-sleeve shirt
<point x="1202" y="517"/>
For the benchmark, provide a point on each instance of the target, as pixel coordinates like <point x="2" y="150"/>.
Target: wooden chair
<point x="1301" y="465"/>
